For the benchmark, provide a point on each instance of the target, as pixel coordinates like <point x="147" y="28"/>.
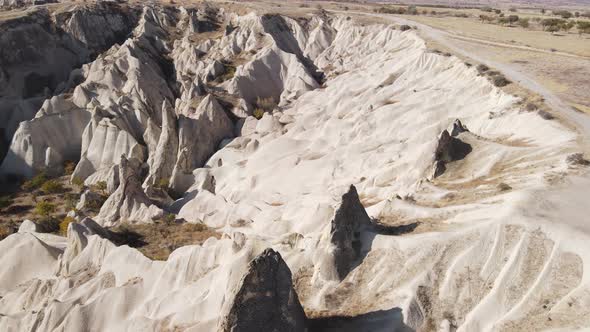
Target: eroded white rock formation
<point x="285" y="183"/>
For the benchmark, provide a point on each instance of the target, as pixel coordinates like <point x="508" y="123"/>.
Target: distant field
<point x="565" y="42"/>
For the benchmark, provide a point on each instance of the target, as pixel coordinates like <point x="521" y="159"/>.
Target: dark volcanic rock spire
<point x="265" y="300"/>
<point x="345" y="230"/>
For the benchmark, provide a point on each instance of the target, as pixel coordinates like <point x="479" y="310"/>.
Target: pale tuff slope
<point x="479" y="259"/>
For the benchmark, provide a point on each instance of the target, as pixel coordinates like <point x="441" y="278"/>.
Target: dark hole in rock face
<point x="35" y="84"/>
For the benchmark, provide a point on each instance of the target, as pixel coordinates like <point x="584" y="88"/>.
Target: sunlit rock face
<point x="310" y="144"/>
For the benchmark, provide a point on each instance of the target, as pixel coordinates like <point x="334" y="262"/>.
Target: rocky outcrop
<point x="450" y="148"/>
<point x="161" y="162"/>
<point x="265" y="299"/>
<point x="128" y="203"/>
<point x="199" y="136"/>
<point x="103" y="142"/>
<point x="39" y="52"/>
<point x="457" y="128"/>
<point x="344" y="238"/>
<point x="44" y="143"/>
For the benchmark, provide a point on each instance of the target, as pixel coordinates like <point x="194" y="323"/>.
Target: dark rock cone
<point x="266" y="300"/>
<point x="348" y="221"/>
<point x="449" y="149"/>
<point x="458" y="128"/>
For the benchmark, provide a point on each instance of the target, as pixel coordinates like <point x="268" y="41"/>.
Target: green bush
<point x="563" y="13"/>
<point x="583" y="27"/>
<point x="52" y="187"/>
<point x="513" y="19"/>
<point x="36" y="182"/>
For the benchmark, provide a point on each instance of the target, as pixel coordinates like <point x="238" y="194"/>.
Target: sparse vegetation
<point x="157" y="241"/>
<point x="170" y="218"/>
<point x="77" y="182"/>
<point x="499" y="80"/>
<point x="101" y="187"/>
<point x="263" y="105"/>
<point x="69" y="167"/>
<point x="258" y="113"/>
<point x="63" y="225"/>
<point x="563" y="13"/>
<point x="405" y="27"/>
<point x="229" y="71"/>
<point x="545" y="115"/>
<point x="52" y="187"/>
<point x="36" y="182"/>
<point x="583" y="27"/>
<point x="412" y="10"/>
<point x="5" y="201"/>
<point x="163" y="184"/>
<point x="44" y="209"/>
<point x="4" y="232"/>
<point x="524" y="23"/>
<point x="512" y="19"/>
<point x="481" y="68"/>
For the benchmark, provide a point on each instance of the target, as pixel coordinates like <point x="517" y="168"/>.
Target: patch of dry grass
<point x="158" y="241"/>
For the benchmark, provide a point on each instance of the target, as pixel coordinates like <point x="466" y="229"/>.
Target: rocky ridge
<point x="169" y="112"/>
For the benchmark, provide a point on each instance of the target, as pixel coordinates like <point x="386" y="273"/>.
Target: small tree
<point x="512" y="19"/>
<point x="542" y="10"/>
<point x="524" y="22"/>
<point x="583" y="27"/>
<point x="563" y="13"/>
<point x="568" y="26"/>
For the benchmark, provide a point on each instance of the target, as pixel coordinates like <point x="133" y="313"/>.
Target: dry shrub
<point x="44" y="208"/>
<point x="63" y="225"/>
<point x="263" y="105"/>
<point x="69" y="167"/>
<point x="52" y="187"/>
